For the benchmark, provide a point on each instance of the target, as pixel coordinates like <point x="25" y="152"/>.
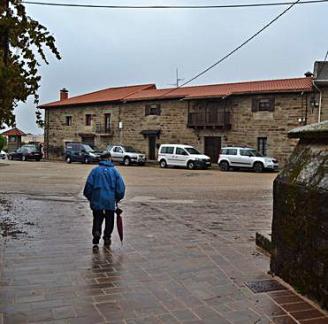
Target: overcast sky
<point x="102" y="48"/>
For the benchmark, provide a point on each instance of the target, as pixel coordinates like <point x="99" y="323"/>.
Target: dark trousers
<point x="98" y="218"/>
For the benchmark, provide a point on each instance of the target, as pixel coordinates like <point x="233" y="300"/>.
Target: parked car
<point x="182" y="155"/>
<point x="3" y="155"/>
<point x="233" y="157"/>
<point x="126" y="155"/>
<point x="78" y="152"/>
<point x="26" y="152"/>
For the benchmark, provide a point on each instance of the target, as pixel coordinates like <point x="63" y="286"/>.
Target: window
<point x="262" y="145"/>
<point x="245" y="153"/>
<point x="12" y="139"/>
<point x="180" y="151"/>
<point x="107" y="122"/>
<point x="167" y="150"/>
<point x="117" y="149"/>
<point x="68" y="121"/>
<point x="153" y="109"/>
<point x="263" y="104"/>
<point x="227" y="151"/>
<point x="88" y="119"/>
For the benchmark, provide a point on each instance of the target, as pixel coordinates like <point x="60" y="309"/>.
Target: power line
<point x="326" y="56"/>
<point x="249" y="5"/>
<point x="234" y="50"/>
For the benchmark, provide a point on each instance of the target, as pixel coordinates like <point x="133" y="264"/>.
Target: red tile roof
<point x="149" y="92"/>
<point x="13" y="132"/>
<point x="105" y="95"/>
<point x="226" y="89"/>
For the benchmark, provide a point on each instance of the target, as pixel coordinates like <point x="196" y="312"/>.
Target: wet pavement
<point x="189" y="253"/>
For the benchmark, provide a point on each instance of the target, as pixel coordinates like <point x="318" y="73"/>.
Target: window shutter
<point x="255" y="104"/>
<point x="147" y="110"/>
<point x="272" y="102"/>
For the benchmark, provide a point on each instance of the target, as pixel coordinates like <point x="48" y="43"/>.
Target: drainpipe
<point x="320" y="99"/>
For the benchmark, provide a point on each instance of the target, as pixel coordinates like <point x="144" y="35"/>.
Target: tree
<point x="22" y="42"/>
<point x="3" y="142"/>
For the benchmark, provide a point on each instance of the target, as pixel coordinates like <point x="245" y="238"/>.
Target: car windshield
<point x="254" y="153"/>
<point x="129" y="149"/>
<point x="192" y="150"/>
<point x="88" y="148"/>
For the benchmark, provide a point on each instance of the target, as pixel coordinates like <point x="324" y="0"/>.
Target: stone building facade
<point x="257" y="114"/>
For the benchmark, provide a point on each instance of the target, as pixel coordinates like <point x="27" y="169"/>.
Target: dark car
<point x="26" y="152"/>
<point x="78" y="152"/>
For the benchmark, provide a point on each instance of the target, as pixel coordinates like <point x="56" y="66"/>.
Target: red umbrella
<point x="119" y="223"/>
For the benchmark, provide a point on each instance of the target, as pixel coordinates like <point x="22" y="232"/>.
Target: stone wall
<point x="246" y="126"/>
<point x="300" y="223"/>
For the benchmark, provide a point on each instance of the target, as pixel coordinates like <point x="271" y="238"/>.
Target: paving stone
<point x="284" y="320"/>
<point x="307" y="314"/>
<point x="316" y="321"/>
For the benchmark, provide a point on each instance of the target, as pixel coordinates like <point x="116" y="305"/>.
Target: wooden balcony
<point x="209" y="119"/>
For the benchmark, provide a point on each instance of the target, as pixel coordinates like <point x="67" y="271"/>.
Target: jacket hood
<point x="108" y="164"/>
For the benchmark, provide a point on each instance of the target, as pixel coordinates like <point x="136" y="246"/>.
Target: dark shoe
<point x="107" y="242"/>
<point x="95" y="240"/>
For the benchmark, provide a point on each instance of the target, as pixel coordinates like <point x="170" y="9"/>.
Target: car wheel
<point x="191" y="165"/>
<point x="126" y="161"/>
<point x="258" y="167"/>
<point x="38" y="160"/>
<point x="23" y="158"/>
<point x="68" y="159"/>
<point x="86" y="160"/>
<point x="163" y="164"/>
<point x="224" y="166"/>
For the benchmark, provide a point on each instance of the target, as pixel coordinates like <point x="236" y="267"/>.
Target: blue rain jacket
<point x="104" y="187"/>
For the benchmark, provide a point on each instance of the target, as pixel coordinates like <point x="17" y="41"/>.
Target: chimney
<point x="63" y="94"/>
<point x="308" y="74"/>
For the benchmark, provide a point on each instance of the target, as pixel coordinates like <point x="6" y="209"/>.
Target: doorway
<point x="212" y="147"/>
<point x="152" y="147"/>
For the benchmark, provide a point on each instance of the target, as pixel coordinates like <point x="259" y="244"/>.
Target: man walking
<point x="104" y="189"/>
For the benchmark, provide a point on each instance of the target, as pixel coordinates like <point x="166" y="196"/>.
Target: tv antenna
<point x="177" y="82"/>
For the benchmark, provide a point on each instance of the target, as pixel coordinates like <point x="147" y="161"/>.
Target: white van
<point x="182" y="155"/>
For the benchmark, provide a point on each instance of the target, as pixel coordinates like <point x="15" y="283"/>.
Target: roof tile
<point x="150" y="92"/>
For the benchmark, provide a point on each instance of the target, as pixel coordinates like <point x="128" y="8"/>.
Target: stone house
<point x="14" y="138"/>
<point x="257" y="114"/>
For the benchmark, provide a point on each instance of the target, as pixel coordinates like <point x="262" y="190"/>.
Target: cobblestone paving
<point x="189" y="249"/>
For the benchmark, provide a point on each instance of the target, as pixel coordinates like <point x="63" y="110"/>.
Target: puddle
<point x="152" y="199"/>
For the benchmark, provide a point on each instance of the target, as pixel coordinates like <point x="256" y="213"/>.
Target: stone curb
<point x="263" y="240"/>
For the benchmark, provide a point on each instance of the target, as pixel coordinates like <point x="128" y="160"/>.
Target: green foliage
<point x="3" y="142"/>
<point x="23" y="42"/>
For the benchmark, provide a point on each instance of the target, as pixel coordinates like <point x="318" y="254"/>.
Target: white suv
<point x="245" y="157"/>
<point x="182" y="155"/>
<point x="126" y="155"/>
